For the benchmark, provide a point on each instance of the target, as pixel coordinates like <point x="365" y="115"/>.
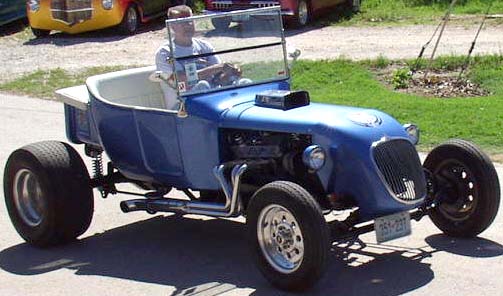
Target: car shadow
<point x="13" y="27"/>
<point x="104" y="35"/>
<point x="470" y="247"/>
<point x="211" y="257"/>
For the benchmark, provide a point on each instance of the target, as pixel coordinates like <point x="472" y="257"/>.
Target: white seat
<point x="130" y="87"/>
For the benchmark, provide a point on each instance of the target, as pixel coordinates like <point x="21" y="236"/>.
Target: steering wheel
<point x="227" y="75"/>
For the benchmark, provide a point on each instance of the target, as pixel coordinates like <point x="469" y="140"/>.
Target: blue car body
<point x="11" y="10"/>
<point x="160" y="147"/>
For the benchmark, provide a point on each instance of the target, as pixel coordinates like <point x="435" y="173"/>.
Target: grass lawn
<point x="389" y="12"/>
<point x="354" y="83"/>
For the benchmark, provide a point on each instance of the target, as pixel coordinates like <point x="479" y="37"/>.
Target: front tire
<point x="39" y="33"/>
<point x="130" y="21"/>
<point x="466" y="191"/>
<point x="47" y="193"/>
<point x="288" y="235"/>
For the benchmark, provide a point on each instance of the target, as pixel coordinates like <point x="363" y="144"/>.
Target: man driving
<point x="192" y="73"/>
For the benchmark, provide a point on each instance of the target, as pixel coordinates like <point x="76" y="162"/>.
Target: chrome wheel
<point x="280" y="238"/>
<point x="303" y="13"/>
<point x="28" y="197"/>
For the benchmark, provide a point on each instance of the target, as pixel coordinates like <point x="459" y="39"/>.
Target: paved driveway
<point x="139" y="254"/>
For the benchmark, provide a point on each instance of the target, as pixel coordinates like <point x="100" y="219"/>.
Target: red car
<point x="296" y="12"/>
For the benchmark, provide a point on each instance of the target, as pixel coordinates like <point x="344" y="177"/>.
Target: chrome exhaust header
<point x="231" y="208"/>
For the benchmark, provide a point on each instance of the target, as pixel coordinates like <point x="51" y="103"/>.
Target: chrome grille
<point x="399" y="164"/>
<point x="71" y="11"/>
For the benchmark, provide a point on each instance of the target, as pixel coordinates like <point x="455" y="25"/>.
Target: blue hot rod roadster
<point x="243" y="143"/>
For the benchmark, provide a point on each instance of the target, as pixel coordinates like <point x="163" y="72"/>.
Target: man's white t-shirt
<point x="163" y="53"/>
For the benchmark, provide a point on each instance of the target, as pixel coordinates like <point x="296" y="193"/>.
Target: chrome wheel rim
<point x="303" y="13"/>
<point x="132" y="19"/>
<point x="28" y="197"/>
<point x="280" y="238"/>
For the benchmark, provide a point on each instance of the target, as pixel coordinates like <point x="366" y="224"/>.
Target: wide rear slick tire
<point x="47" y="193"/>
<point x="288" y="235"/>
<point x="467" y="191"/>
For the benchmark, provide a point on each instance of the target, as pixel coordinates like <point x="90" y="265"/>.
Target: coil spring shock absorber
<point x="97" y="155"/>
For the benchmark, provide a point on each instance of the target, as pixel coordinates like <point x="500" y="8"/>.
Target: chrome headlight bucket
<point x="314" y="157"/>
<point x="413" y="132"/>
<point x="34" y="5"/>
<point x="107" y="4"/>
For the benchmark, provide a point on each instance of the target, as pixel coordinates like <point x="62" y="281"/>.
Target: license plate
<point x="392" y="226"/>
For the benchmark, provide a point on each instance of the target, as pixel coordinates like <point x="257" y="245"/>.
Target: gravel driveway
<point x="106" y="48"/>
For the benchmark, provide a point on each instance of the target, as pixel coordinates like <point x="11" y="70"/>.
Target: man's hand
<point x="227" y="74"/>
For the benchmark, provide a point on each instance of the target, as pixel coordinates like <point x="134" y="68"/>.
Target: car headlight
<point x="34" y="5"/>
<point x="314" y="157"/>
<point x="413" y="132"/>
<point x="107" y="4"/>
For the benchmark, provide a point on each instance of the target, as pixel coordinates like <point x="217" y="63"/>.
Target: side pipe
<point x="232" y="206"/>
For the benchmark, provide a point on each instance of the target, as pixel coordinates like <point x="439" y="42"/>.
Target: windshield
<point x="226" y="50"/>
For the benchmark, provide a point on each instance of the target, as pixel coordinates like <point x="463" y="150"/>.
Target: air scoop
<point x="282" y="99"/>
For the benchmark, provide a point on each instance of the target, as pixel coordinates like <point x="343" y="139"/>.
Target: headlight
<point x="107" y="4"/>
<point x="413" y="132"/>
<point x="34" y="5"/>
<point x="314" y="157"/>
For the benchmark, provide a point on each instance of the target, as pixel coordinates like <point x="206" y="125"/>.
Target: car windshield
<point x="226" y="50"/>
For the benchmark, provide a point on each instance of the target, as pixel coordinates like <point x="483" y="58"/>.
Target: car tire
<point x="47" y="193"/>
<point x="466" y="188"/>
<point x="221" y="23"/>
<point x="302" y="15"/>
<point x="39" y="33"/>
<point x="353" y="6"/>
<point x="291" y="246"/>
<point x="130" y="21"/>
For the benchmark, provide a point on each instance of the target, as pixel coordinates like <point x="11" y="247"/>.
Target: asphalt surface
<point x="139" y="254"/>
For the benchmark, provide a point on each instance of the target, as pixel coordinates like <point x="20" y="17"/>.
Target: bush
<point x="401" y="78"/>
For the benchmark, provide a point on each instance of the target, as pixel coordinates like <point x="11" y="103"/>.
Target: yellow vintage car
<point x="75" y="16"/>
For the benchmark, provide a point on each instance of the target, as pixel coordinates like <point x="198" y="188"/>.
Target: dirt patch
<point x="436" y="83"/>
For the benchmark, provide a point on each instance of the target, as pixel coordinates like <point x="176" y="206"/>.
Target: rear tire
<point x="130" y="21"/>
<point x="47" y="193"/>
<point x="467" y="192"/>
<point x="288" y="235"/>
<point x="302" y="15"/>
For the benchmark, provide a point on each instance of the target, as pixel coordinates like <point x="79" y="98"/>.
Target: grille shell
<point x="400" y="168"/>
<point x="71" y="11"/>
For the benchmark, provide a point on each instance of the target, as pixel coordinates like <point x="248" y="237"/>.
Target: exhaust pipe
<point x="231" y="207"/>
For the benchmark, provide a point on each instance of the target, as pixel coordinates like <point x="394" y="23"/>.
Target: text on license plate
<point x="392" y="226"/>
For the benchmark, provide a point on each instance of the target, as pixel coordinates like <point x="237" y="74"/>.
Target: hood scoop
<point x="282" y="99"/>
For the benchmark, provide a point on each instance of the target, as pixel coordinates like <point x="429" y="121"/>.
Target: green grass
<point x="350" y="83"/>
<point x="42" y="84"/>
<point x="378" y="12"/>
